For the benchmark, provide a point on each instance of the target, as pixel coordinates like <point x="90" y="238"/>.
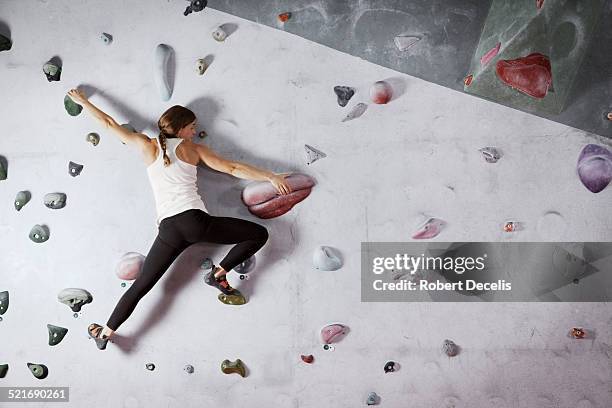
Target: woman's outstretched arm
<point x="108" y="122"/>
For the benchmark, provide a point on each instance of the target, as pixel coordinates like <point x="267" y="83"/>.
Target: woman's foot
<point x="219" y="282"/>
<point x="95" y="332"/>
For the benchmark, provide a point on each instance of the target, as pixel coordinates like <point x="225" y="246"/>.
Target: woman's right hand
<point x="77" y="96"/>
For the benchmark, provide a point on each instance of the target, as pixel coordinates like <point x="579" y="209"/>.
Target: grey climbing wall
<point x="449" y="32"/>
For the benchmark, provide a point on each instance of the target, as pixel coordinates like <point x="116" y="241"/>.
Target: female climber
<point x="182" y="218"/>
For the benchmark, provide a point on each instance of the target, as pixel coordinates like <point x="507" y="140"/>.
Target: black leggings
<point x="178" y="232"/>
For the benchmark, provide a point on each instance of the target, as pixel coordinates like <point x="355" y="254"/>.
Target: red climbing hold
<point x="468" y="80"/>
<point x="530" y="75"/>
<point x="308" y="359"/>
<point x="284" y="17"/>
<point x="539" y="4"/>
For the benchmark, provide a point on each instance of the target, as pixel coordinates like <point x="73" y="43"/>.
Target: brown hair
<point x="169" y="124"/>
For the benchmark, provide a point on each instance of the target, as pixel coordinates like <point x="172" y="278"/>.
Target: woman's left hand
<point x="279" y="182"/>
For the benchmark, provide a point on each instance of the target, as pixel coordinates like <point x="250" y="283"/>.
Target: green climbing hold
<point x="39" y="371"/>
<point x="56" y="334"/>
<point x="4" y="302"/>
<point x="3" y="172"/>
<point x="73" y="108"/>
<point x="229" y="367"/>
<point x="5" y="43"/>
<point x="3" y="370"/>
<point x="235" y="299"/>
<point x="39" y="234"/>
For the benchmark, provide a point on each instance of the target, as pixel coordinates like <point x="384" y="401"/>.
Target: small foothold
<point x="219" y="34"/>
<point x="39" y="371"/>
<point x="430" y="229"/>
<point x="4" y="302"/>
<point x="39" y="234"/>
<point x="539" y="4"/>
<point x="74" y="298"/>
<point x="202" y="134"/>
<point x="381" y="92"/>
<point x="75" y="315"/>
<point x="333" y="332"/>
<point x="74" y="169"/>
<point x="356" y="112"/>
<point x="3" y="370"/>
<point x="284" y="17"/>
<point x="243" y="277"/>
<point x="609" y="116"/>
<point x="307" y="359"/>
<point x="246" y="266"/>
<point x="93" y="138"/>
<point x="595" y="167"/>
<point x="511" y="226"/>
<point x="344" y="94"/>
<point x="576" y="281"/>
<point x="229" y="367"/>
<point x="52" y="71"/>
<point x="390" y="367"/>
<point x="56" y="334"/>
<point x="236" y="299"/>
<point x="207" y="264"/>
<point x="150" y="366"/>
<point x="403" y="42"/>
<point x="312" y="154"/>
<point x="450" y="348"/>
<point x="489" y="55"/>
<point x="201" y="66"/>
<point x="106" y="38"/>
<point x="21" y="199"/>
<point x="467" y="81"/>
<point x="123" y="284"/>
<point x="55" y="201"/>
<point x="3" y="170"/>
<point x="577" y="333"/>
<point x="490" y="154"/>
<point x="373" y="399"/>
<point x="129" y="266"/>
<point x="189" y="369"/>
<point x="5" y="43"/>
<point x="326" y="259"/>
<point x="195" y="6"/>
<point x="73" y="108"/>
<point x="328" y="347"/>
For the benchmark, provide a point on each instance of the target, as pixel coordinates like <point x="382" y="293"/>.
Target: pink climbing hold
<point x="332" y="332"/>
<point x="129" y="266"/>
<point x="381" y="92"/>
<point x="430" y="229"/>
<point x="264" y="201"/>
<point x="530" y="75"/>
<point x="539" y="4"/>
<point x="489" y="55"/>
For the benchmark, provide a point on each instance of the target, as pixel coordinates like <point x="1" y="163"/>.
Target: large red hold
<point x="530" y="75"/>
<point x="263" y="200"/>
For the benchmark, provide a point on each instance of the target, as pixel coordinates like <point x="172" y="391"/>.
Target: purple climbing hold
<point x="333" y="332"/>
<point x="595" y="167"/>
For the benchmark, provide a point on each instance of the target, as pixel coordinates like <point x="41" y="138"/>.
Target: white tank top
<point x="174" y="187"/>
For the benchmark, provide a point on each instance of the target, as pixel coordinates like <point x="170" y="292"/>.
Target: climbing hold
<point x="344" y="94"/>
<point x="4" y="302"/>
<point x="123" y="284"/>
<point x="229" y="367"/>
<point x="150" y="366"/>
<point x="93" y="138"/>
<point x="328" y="347"/>
<point x="243" y="277"/>
<point x="551" y="225"/>
<point x="162" y="56"/>
<point x="235" y="299"/>
<point x="189" y="369"/>
<point x="201" y="66"/>
<point x="284" y="17"/>
<point x="539" y="4"/>
<point x="55" y="201"/>
<point x="333" y="332"/>
<point x="489" y="55"/>
<point x="595" y="167"/>
<point x="577" y="333"/>
<point x="312" y="154"/>
<point x="106" y="38"/>
<point x="74" y="169"/>
<point x="73" y="108"/>
<point x="219" y="34"/>
<point x="450" y="348"/>
<point x="429" y="229"/>
<point x="326" y="259"/>
<point x="3" y="370"/>
<point x="246" y="266"/>
<point x="39" y="233"/>
<point x="75" y="298"/>
<point x="52" y="70"/>
<point x="202" y="134"/>
<point x="467" y="81"/>
<point x="307" y="359"/>
<point x="75" y="315"/>
<point x="403" y="42"/>
<point x="21" y="199"/>
<point x="5" y="43"/>
<point x="3" y="169"/>
<point x="56" y="334"/>
<point x="530" y="75"/>
<point x="207" y="264"/>
<point x="381" y="92"/>
<point x="356" y="112"/>
<point x="390" y="367"/>
<point x="195" y="6"/>
<point x="263" y="200"/>
<point x="373" y="399"/>
<point x="490" y="154"/>
<point x="129" y="266"/>
<point x="511" y="226"/>
<point x="39" y="371"/>
<point x="609" y="116"/>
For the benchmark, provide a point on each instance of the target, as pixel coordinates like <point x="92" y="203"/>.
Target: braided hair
<point x="170" y="123"/>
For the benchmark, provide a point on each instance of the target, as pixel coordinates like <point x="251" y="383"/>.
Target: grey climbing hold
<point x="106" y="38"/>
<point x="219" y="34"/>
<point x="93" y="138"/>
<point x="450" y="348"/>
<point x="391" y="367"/>
<point x="55" y="201"/>
<point x="73" y="108"/>
<point x="344" y="94"/>
<point x="21" y="199"/>
<point x="312" y="154"/>
<point x="3" y="370"/>
<point x="4" y="302"/>
<point x="150" y="366"/>
<point x="52" y="70"/>
<point x="195" y="6"/>
<point x="490" y="154"/>
<point x="39" y="371"/>
<point x="373" y="399"/>
<point x="246" y="266"/>
<point x="39" y="233"/>
<point x="189" y="369"/>
<point x="3" y="169"/>
<point x="74" y="169"/>
<point x="75" y="298"/>
<point x="75" y="315"/>
<point x="202" y="134"/>
<point x="162" y="56"/>
<point x="326" y="259"/>
<point x="403" y="42"/>
<point x="356" y="112"/>
<point x="207" y="264"/>
<point x="56" y="334"/>
<point x="5" y="43"/>
<point x="201" y="66"/>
